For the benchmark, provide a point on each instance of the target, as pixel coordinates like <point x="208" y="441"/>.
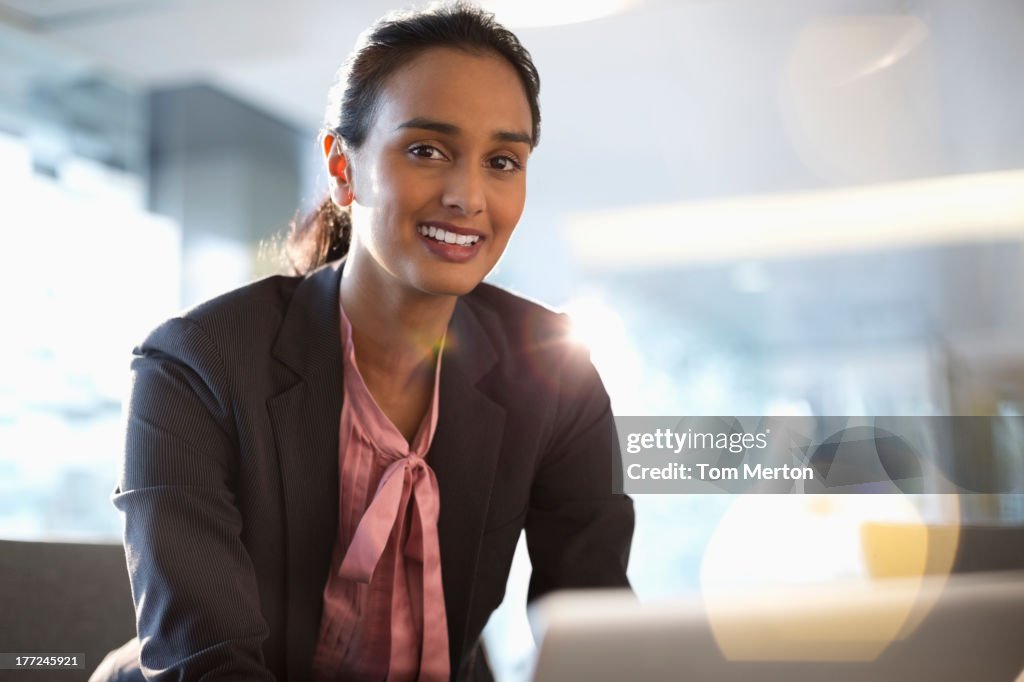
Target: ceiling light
<point x="942" y="210"/>
<point x="537" y="13"/>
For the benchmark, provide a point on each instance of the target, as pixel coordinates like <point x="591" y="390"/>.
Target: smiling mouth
<point x="447" y="236"/>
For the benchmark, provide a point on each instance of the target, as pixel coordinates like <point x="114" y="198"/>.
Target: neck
<point x="396" y="329"/>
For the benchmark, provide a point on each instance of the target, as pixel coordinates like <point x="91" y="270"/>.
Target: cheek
<point x="395" y="202"/>
<point x="509" y="208"/>
<point x="409" y="193"/>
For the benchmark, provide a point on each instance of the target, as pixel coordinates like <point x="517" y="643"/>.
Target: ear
<point x="338" y="170"/>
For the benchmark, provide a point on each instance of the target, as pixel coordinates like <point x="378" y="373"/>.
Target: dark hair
<point x="324" y="234"/>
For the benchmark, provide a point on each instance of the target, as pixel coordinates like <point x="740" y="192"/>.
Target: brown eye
<point x="427" y="151"/>
<point x="506" y="163"/>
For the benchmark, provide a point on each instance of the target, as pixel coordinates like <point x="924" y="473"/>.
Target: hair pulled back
<point x="324" y="234"/>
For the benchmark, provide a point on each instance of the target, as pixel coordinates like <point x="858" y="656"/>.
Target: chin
<point x="448" y="285"/>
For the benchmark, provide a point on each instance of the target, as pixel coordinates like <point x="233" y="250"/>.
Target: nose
<point x="464" y="189"/>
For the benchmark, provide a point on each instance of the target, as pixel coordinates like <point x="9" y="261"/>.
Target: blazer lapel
<point x="464" y="455"/>
<point x="305" y="423"/>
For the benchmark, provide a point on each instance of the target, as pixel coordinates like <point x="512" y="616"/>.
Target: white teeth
<point x="447" y="237"/>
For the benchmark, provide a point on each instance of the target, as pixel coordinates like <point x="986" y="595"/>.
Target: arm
<point x="193" y="583"/>
<point x="578" y="531"/>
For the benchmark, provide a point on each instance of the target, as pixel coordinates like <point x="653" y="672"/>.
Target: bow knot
<point x="407" y="479"/>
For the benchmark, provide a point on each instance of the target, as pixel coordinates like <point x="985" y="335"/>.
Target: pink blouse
<point x="383" y="613"/>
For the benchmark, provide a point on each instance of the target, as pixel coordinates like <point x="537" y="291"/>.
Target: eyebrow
<point x="453" y="130"/>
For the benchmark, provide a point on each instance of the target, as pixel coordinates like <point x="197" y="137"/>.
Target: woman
<point x="326" y="475"/>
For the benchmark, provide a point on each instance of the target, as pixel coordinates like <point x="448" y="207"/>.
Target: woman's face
<point x="444" y="161"/>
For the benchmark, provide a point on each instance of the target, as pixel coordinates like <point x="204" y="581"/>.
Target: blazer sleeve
<point x="196" y="598"/>
<point x="578" y="531"/>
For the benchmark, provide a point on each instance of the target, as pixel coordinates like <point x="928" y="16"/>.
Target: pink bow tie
<point x="407" y="480"/>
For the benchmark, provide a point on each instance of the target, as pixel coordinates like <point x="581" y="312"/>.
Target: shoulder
<point x="534" y="343"/>
<point x="259" y="303"/>
<point x="517" y="323"/>
<point x="542" y="369"/>
<point x="241" y="323"/>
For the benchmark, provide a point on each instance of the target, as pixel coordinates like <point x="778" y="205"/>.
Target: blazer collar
<point x="310" y="331"/>
<point x="463" y="454"/>
<point x="309" y="334"/>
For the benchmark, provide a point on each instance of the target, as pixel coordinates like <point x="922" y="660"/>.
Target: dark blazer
<point x="230" y="482"/>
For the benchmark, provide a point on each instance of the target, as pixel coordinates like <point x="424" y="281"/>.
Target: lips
<point x="450" y="242"/>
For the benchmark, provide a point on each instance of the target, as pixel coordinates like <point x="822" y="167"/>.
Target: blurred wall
<point x="229" y="174"/>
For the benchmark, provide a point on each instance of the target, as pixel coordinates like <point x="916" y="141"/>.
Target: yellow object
<point x="902" y="550"/>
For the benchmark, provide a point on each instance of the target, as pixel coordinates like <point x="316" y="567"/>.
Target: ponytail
<point x="321" y="236"/>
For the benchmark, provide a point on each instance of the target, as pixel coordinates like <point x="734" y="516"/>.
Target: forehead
<point x="478" y="92"/>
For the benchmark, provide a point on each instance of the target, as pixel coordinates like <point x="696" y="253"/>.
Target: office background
<point x="807" y="207"/>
